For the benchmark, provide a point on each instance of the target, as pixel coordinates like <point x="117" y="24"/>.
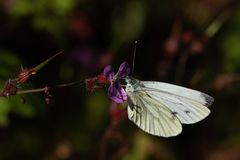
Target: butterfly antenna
<point x="134" y="55"/>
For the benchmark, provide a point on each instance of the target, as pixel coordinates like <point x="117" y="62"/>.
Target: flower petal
<point x="108" y="72"/>
<point x="117" y="93"/>
<point x="123" y="70"/>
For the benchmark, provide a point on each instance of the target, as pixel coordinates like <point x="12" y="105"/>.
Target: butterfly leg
<point x="134" y="106"/>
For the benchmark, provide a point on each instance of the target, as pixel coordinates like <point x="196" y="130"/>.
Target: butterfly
<point x="160" y="108"/>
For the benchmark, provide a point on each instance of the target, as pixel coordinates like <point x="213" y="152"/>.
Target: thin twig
<point x="47" y="88"/>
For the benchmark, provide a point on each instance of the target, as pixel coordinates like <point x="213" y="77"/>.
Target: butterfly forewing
<point x="190" y="106"/>
<point x="151" y="115"/>
<point x="187" y="93"/>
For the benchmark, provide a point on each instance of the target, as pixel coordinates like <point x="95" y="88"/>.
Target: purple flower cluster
<point x="115" y="90"/>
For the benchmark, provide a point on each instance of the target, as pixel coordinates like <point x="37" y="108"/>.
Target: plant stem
<point x="47" y="88"/>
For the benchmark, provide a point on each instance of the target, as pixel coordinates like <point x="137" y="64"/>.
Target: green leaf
<point x="41" y="65"/>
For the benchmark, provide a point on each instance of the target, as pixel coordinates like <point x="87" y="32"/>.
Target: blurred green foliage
<point x="48" y="15"/>
<point x="230" y="44"/>
<point x="128" y="24"/>
<point x="9" y="64"/>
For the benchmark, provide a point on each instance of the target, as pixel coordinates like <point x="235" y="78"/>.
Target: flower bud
<point x="24" y="75"/>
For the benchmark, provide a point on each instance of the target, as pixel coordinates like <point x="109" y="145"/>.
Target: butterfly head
<point x="132" y="84"/>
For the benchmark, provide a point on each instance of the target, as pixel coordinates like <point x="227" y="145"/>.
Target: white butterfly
<point x="160" y="108"/>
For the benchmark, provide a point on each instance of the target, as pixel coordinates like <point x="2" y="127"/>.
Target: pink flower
<point x="115" y="90"/>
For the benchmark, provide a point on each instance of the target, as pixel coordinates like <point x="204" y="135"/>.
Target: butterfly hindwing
<point x="151" y="115"/>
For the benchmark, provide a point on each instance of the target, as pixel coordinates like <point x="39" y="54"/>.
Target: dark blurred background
<point x="193" y="43"/>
